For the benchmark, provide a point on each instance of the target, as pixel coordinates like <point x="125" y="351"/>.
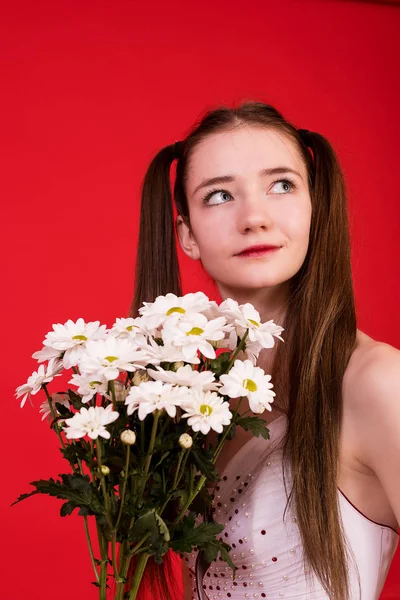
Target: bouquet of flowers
<point x="135" y="429"/>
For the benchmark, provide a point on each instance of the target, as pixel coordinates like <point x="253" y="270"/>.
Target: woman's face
<point x="247" y="207"/>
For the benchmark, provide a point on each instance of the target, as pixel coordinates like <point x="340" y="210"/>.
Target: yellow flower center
<point x="254" y="323"/>
<point x="177" y="309"/>
<point x="195" y="331"/>
<point x="249" y="385"/>
<point x="130" y="327"/>
<point x="83" y="338"/>
<point x="111" y="358"/>
<point x="93" y="383"/>
<point x="206" y="410"/>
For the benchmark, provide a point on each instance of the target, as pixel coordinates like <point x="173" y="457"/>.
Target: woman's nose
<point x="254" y="215"/>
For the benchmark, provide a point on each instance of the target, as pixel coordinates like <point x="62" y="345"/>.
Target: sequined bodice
<point x="266" y="546"/>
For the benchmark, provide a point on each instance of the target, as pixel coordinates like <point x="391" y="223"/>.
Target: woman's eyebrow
<point x="229" y="178"/>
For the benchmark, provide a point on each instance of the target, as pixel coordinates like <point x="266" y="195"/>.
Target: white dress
<point x="267" y="549"/>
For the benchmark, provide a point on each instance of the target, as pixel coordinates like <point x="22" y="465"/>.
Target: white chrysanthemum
<point x="90" y="421"/>
<point x="72" y="337"/>
<point x="205" y="411"/>
<point x="129" y="327"/>
<point x="151" y="395"/>
<point x="46" y="353"/>
<point x="89" y="385"/>
<point x="230" y="339"/>
<point x="245" y="379"/>
<point x="204" y="380"/>
<point x="44" y="374"/>
<point x="157" y="312"/>
<point x="61" y="398"/>
<point x="245" y="316"/>
<point x="194" y="332"/>
<point x="110" y="356"/>
<point x="250" y="352"/>
<point x="155" y="354"/>
<point x="212" y="311"/>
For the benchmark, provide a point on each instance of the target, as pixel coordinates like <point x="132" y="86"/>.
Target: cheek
<point x="210" y="233"/>
<point x="296" y="224"/>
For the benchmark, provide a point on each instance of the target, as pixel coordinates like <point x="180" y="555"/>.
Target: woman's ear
<point x="186" y="239"/>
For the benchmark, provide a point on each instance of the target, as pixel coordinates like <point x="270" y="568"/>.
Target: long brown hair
<point x="320" y="322"/>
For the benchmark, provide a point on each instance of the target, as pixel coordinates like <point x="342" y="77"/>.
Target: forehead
<point x="242" y="152"/>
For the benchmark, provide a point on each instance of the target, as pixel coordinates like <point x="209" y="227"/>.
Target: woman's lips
<point x="258" y="253"/>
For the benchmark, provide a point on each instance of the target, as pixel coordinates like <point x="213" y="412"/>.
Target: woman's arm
<point x="375" y="404"/>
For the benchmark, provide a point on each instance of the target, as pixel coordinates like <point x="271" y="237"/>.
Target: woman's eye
<point x="287" y="186"/>
<point x="223" y="194"/>
<point x="286" y="183"/>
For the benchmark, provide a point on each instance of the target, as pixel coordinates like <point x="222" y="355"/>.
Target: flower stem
<point x="238" y="349"/>
<point x="156" y="416"/>
<point x="188" y="502"/>
<point x="103" y="545"/>
<point x="103" y="483"/>
<point x="112" y="388"/>
<point x="140" y="543"/>
<point x="227" y="430"/>
<point x="137" y="578"/>
<point x="186" y="457"/>
<point x="123" y="569"/>
<point x="53" y="414"/>
<point x="87" y="533"/>
<point x="128" y="452"/>
<point x="176" y="478"/>
<point x="202" y="480"/>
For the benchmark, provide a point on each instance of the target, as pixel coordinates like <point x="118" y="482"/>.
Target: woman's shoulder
<point x="373" y="366"/>
<point x="371" y="386"/>
<point x="370" y="357"/>
<point x="372" y="372"/>
<point x="371" y="411"/>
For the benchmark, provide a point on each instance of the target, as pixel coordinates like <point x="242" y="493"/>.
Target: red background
<point x="89" y="92"/>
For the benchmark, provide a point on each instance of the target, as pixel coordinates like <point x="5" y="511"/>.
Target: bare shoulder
<point x="372" y="368"/>
<point x="371" y="381"/>
<point x="370" y="429"/>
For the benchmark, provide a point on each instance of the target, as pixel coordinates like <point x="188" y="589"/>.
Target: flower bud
<point x="185" y="441"/>
<point x="128" y="437"/>
<point x="105" y="470"/>
<point x="177" y="365"/>
<point x="120" y="391"/>
<point x="139" y="377"/>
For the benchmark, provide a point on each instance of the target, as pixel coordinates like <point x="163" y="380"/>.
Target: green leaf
<point x="158" y="533"/>
<point x="63" y="410"/>
<point x="232" y="433"/>
<point x="152" y="524"/>
<point x="163" y="457"/>
<point x="210" y="551"/>
<point x="74" y="451"/>
<point x="75" y="488"/>
<point x="67" y="508"/>
<point x="75" y="399"/>
<point x="213" y="548"/>
<point x="220" y="364"/>
<point x="254" y="424"/>
<point x="202" y="459"/>
<point x="195" y="536"/>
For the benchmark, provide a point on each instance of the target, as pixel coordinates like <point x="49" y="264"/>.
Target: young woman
<point x="313" y="512"/>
